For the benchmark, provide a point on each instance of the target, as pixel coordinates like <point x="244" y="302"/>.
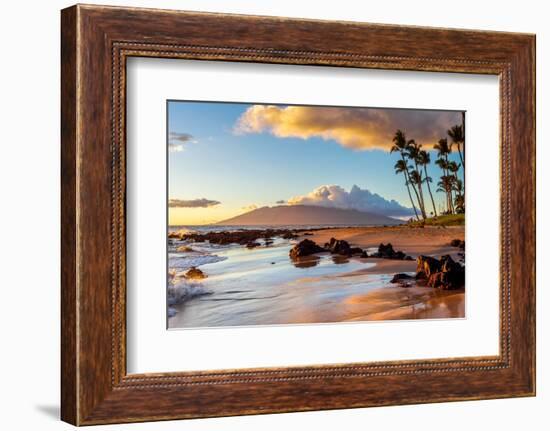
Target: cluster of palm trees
<point x="413" y="165"/>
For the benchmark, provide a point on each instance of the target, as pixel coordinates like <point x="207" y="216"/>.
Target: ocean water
<point x="232" y="228"/>
<point x="260" y="286"/>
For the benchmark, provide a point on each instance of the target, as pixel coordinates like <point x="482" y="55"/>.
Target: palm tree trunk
<point x="460" y="155"/>
<point x="410" y="196"/>
<point x="449" y="192"/>
<point x="423" y="206"/>
<point x="430" y="190"/>
<point x="413" y="187"/>
<point x="456" y="178"/>
<point x="417" y="196"/>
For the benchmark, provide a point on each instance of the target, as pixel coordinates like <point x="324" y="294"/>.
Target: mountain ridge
<point x="308" y="215"/>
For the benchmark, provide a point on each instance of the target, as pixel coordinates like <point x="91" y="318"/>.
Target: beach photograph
<point x="302" y="214"/>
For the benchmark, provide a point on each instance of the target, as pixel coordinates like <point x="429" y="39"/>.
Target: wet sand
<point x="395" y="302"/>
<point x="262" y="286"/>
<point x="429" y="240"/>
<point x="401" y="303"/>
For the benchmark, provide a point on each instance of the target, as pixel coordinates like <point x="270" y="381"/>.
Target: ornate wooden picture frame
<point x="96" y="41"/>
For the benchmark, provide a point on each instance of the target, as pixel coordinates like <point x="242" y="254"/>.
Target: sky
<point x="225" y="159"/>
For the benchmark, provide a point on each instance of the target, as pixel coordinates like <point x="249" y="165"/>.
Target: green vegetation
<point x="442" y="220"/>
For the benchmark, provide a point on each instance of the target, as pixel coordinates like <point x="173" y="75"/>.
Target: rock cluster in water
<point x="305" y="247"/>
<point x="386" y="251"/>
<point x="341" y="247"/>
<point x="194" y="274"/>
<point x="444" y="274"/>
<point x="242" y="237"/>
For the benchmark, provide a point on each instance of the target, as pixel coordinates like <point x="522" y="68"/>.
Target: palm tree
<point x="445" y="184"/>
<point x="401" y="167"/>
<point x="459" y="199"/>
<point x="424" y="160"/>
<point x="443" y="150"/>
<point x="412" y="150"/>
<point x="400" y="145"/>
<point x="456" y="133"/>
<point x="416" y="180"/>
<point x="453" y="167"/>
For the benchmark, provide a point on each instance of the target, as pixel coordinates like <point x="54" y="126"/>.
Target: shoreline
<point x="379" y="303"/>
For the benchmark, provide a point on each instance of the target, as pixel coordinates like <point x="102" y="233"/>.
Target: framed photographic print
<point x="267" y="215"/>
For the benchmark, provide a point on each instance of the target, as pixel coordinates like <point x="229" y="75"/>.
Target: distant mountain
<point x="308" y="215"/>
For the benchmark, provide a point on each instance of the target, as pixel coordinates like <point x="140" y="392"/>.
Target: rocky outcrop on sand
<point x="404" y="280"/>
<point x="242" y="237"/>
<point x="342" y="247"/>
<point x="386" y="251"/>
<point x="305" y="247"/>
<point x="445" y="273"/>
<point x="460" y="243"/>
<point x="400" y="277"/>
<point x="338" y="246"/>
<point x="194" y="274"/>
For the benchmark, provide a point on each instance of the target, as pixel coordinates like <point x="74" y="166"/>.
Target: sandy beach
<point x="430" y="240"/>
<point x="392" y="302"/>
<point x="262" y="285"/>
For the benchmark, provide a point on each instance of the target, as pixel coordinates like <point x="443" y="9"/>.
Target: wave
<point x="180" y="291"/>
<point x="182" y="262"/>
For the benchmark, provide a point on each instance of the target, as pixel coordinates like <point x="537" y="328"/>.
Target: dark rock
<point x="307" y="234"/>
<point x="305" y="247"/>
<point x="289" y="235"/>
<point x="399" y="255"/>
<point x="408" y="258"/>
<point x="338" y="246"/>
<point x="438" y="280"/>
<point x="426" y="266"/>
<point x="397" y="278"/>
<point x="386" y="250"/>
<point x="195" y="274"/>
<point x="364" y="255"/>
<point x="444" y="274"/>
<point x="252" y="244"/>
<point x="458" y="243"/>
<point x="242" y="237"/>
<point x="355" y="250"/>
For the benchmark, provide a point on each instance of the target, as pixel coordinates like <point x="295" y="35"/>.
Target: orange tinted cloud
<point x="355" y="128"/>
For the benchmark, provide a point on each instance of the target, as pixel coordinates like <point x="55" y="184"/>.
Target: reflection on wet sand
<point x="261" y="285"/>
<point x="397" y="303"/>
<point x="306" y="261"/>
<point x="339" y="259"/>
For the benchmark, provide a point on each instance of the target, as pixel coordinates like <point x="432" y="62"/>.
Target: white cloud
<point x="357" y="198"/>
<point x="176" y="141"/>
<point x="192" y="203"/>
<point x="356" y="128"/>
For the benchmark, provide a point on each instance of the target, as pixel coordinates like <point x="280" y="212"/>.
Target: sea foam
<point x="181" y="290"/>
<point x="182" y="262"/>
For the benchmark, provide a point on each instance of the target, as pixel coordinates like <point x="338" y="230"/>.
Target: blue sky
<point x="220" y="160"/>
